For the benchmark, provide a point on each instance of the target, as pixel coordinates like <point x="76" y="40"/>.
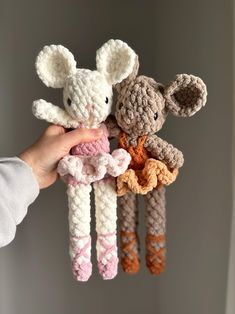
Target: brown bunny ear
<point x="130" y="77"/>
<point x="185" y="95"/>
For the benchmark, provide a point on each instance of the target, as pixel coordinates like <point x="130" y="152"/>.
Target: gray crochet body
<point x="141" y="109"/>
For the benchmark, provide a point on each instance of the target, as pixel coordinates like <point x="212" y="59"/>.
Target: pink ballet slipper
<point x="107" y="260"/>
<point x="81" y="264"/>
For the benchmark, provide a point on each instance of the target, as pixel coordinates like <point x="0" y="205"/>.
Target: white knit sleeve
<point x="18" y="189"/>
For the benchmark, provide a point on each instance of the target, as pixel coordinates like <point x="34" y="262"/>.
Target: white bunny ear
<point x="115" y="60"/>
<point x="53" y="64"/>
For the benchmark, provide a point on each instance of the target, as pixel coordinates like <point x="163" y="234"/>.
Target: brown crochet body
<point x="141" y="110"/>
<point x="144" y="173"/>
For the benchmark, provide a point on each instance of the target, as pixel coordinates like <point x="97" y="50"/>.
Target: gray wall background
<point x="170" y="37"/>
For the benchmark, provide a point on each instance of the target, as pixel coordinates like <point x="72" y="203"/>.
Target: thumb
<point x="77" y="136"/>
<point x="53" y="130"/>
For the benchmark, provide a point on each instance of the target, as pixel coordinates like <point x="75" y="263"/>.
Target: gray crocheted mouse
<point x="141" y="110"/>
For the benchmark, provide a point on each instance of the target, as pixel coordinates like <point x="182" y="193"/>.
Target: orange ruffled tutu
<point x="144" y="173"/>
<point x="154" y="174"/>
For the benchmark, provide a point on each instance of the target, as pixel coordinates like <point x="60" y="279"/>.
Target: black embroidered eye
<point x="120" y="105"/>
<point x="155" y="116"/>
<point x="69" y="101"/>
<point x="106" y="100"/>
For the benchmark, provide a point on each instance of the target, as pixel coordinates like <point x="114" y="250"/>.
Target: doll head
<point x="143" y="104"/>
<point x="87" y="94"/>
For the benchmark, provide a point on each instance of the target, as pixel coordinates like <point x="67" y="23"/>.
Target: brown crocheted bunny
<point x="141" y="110"/>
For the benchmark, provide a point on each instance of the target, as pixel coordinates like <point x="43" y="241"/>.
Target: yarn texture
<point x="155" y="217"/>
<point x="145" y="173"/>
<point x="142" y="107"/>
<point x="87" y="97"/>
<point x="130" y="260"/>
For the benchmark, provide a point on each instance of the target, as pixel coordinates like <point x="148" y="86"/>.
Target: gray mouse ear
<point x="185" y="95"/>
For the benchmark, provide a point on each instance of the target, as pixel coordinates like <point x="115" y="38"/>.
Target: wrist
<point x="28" y="157"/>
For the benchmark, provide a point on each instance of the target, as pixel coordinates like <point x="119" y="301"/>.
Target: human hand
<point x="44" y="155"/>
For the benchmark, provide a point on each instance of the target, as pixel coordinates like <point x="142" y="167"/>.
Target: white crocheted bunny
<point x="88" y="99"/>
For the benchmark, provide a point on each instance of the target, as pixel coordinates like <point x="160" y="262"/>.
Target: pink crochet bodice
<point x="93" y="148"/>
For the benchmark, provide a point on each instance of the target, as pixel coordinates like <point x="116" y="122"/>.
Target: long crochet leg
<point x="129" y="239"/>
<point x="106" y="217"/>
<point x="156" y="228"/>
<point x="79" y="229"/>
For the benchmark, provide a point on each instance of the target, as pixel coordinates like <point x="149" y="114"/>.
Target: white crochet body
<point x="87" y="97"/>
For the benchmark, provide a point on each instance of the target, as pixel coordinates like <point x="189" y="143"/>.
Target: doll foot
<point x="130" y="257"/>
<point x="80" y="248"/>
<point x="155" y="253"/>
<point x="107" y="257"/>
<point x="108" y="269"/>
<point x="82" y="272"/>
<point x="130" y="265"/>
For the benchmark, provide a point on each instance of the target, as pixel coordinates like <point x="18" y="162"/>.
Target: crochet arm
<point x="46" y="111"/>
<point x="112" y="126"/>
<point x="164" y="151"/>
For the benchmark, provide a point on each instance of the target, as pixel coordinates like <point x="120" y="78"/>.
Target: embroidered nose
<point x="89" y="107"/>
